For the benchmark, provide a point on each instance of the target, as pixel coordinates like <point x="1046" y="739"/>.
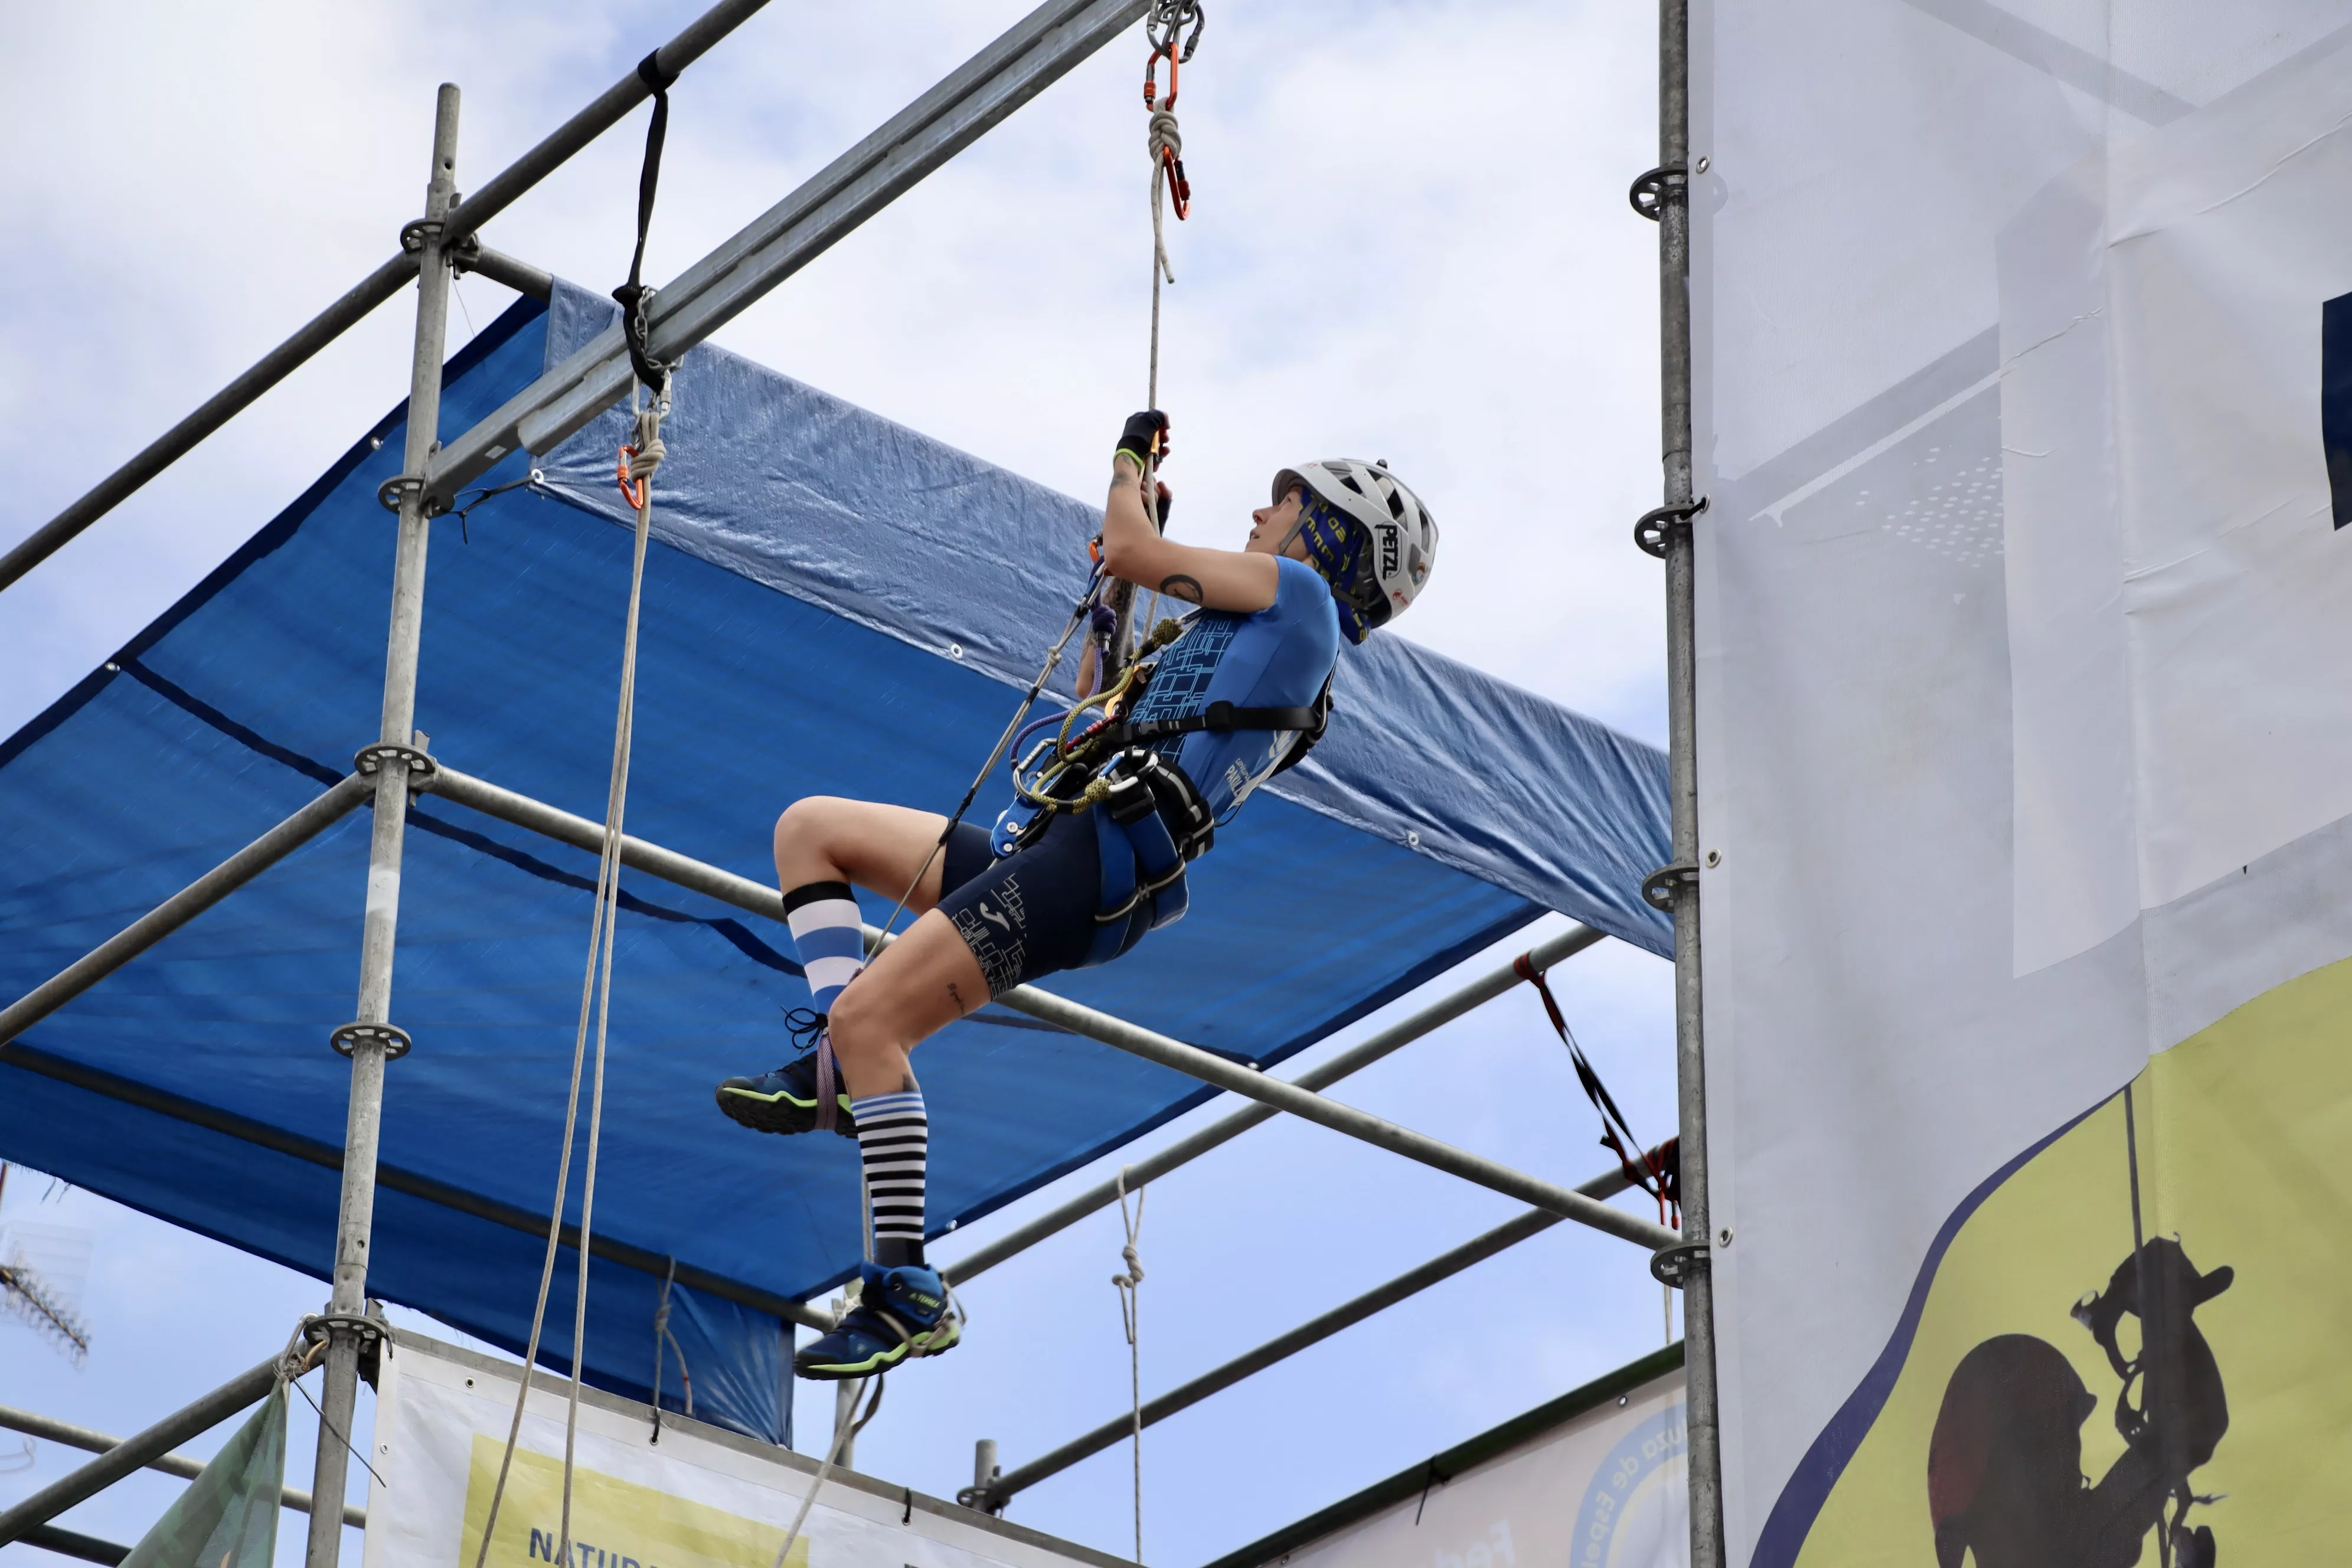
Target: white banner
<point x="696" y="1498"/>
<point x="2023" y="340"/>
<point x="1607" y="1490"/>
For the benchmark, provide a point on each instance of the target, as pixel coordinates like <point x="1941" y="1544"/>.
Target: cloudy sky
<point x="1409" y="240"/>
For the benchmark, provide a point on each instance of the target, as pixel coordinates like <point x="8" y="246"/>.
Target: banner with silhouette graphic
<point x="2024" y="341"/>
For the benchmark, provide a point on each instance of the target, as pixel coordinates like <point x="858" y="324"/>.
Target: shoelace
<point x="807" y="1026"/>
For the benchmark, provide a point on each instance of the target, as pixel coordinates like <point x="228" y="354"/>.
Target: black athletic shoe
<point x="785" y="1100"/>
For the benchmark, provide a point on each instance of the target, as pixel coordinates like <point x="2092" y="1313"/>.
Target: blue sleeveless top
<point x="1276" y="658"/>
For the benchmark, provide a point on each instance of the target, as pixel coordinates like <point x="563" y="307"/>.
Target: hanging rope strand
<point x="843" y="1431"/>
<point x="645" y="453"/>
<point x="638" y="464"/>
<point x="1128" y="1313"/>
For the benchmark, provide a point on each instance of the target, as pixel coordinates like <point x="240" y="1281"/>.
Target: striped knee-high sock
<point x="894" y="1134"/>
<point x="829" y="937"/>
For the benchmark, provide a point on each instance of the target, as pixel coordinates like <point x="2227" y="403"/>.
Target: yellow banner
<point x="614" y="1523"/>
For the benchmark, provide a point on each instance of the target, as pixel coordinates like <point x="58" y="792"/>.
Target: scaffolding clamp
<point x="393" y="1038"/>
<point x="1654" y="188"/>
<point x="367" y="1328"/>
<point x="1658" y="887"/>
<point x="421" y="765"/>
<point x="1654" y="532"/>
<point x="417" y="232"/>
<point x="395" y="489"/>
<point x="1674" y="1266"/>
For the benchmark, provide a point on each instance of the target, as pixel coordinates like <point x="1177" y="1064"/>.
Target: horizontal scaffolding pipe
<point x="500" y="267"/>
<point x="1363" y="1125"/>
<point x="183" y="906"/>
<point x="74" y="1544"/>
<point x="1509" y="1234"/>
<point x="1191" y="1060"/>
<point x="136" y="1452"/>
<point x="50" y="1429"/>
<point x="393" y="1178"/>
<point x="1031" y="56"/>
<point x="373" y="289"/>
<point x="1356" y="1058"/>
<point x="186" y="1467"/>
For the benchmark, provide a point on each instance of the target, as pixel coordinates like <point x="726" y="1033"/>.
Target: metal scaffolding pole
<point x="1682" y="879"/>
<point x="369" y="1039"/>
<point x="380" y="285"/>
<point x="48" y="1427"/>
<point x="992" y="1496"/>
<point x="1191" y="1060"/>
<point x="1184" y="1151"/>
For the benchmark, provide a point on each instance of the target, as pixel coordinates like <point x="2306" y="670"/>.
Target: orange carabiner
<point x="1151" y="77"/>
<point x="632" y="491"/>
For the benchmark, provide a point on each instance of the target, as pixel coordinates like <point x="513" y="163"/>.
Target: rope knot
<point x="1165" y="137"/>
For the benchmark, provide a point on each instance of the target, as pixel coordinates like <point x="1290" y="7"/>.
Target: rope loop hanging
<point x="1127" y="1311"/>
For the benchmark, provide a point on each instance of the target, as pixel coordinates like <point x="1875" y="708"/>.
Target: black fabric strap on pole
<point x="634" y="294"/>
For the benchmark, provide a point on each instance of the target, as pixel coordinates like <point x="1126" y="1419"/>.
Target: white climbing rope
<point x="843" y="1430"/>
<point x="1126" y="1284"/>
<point x="641" y="459"/>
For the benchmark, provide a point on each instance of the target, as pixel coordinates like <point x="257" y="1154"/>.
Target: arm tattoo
<point x="1180" y="586"/>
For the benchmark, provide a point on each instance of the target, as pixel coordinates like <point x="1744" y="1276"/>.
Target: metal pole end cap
<point x="394" y="1039"/>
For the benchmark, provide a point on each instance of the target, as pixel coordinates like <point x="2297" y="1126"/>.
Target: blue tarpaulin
<point x="833" y="604"/>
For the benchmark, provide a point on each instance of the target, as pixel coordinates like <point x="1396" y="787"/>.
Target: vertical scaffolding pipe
<point x="1706" y="1455"/>
<point x="357" y="1217"/>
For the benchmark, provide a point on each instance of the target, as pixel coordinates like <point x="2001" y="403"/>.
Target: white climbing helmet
<point x="1404" y="536"/>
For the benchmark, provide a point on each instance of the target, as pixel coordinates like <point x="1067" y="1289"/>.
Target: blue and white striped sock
<point x="894" y="1132"/>
<point x="829" y="936"/>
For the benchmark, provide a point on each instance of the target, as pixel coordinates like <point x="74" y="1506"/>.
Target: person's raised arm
<point x="1135" y="552"/>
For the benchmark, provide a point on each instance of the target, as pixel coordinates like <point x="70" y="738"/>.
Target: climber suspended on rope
<point x="1121" y="794"/>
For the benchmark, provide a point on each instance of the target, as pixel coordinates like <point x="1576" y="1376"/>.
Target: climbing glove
<point x="1145" y="437"/>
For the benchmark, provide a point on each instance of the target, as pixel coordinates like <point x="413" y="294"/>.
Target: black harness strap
<point x="1222" y="718"/>
<point x="634" y="294"/>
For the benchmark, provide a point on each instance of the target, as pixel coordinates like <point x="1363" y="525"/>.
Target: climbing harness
<point x="1125" y="1284"/>
<point x="1654" y="1173"/>
<point x="643" y="457"/>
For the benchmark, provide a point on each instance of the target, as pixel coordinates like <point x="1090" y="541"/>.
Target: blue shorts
<point x="1032" y="914"/>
